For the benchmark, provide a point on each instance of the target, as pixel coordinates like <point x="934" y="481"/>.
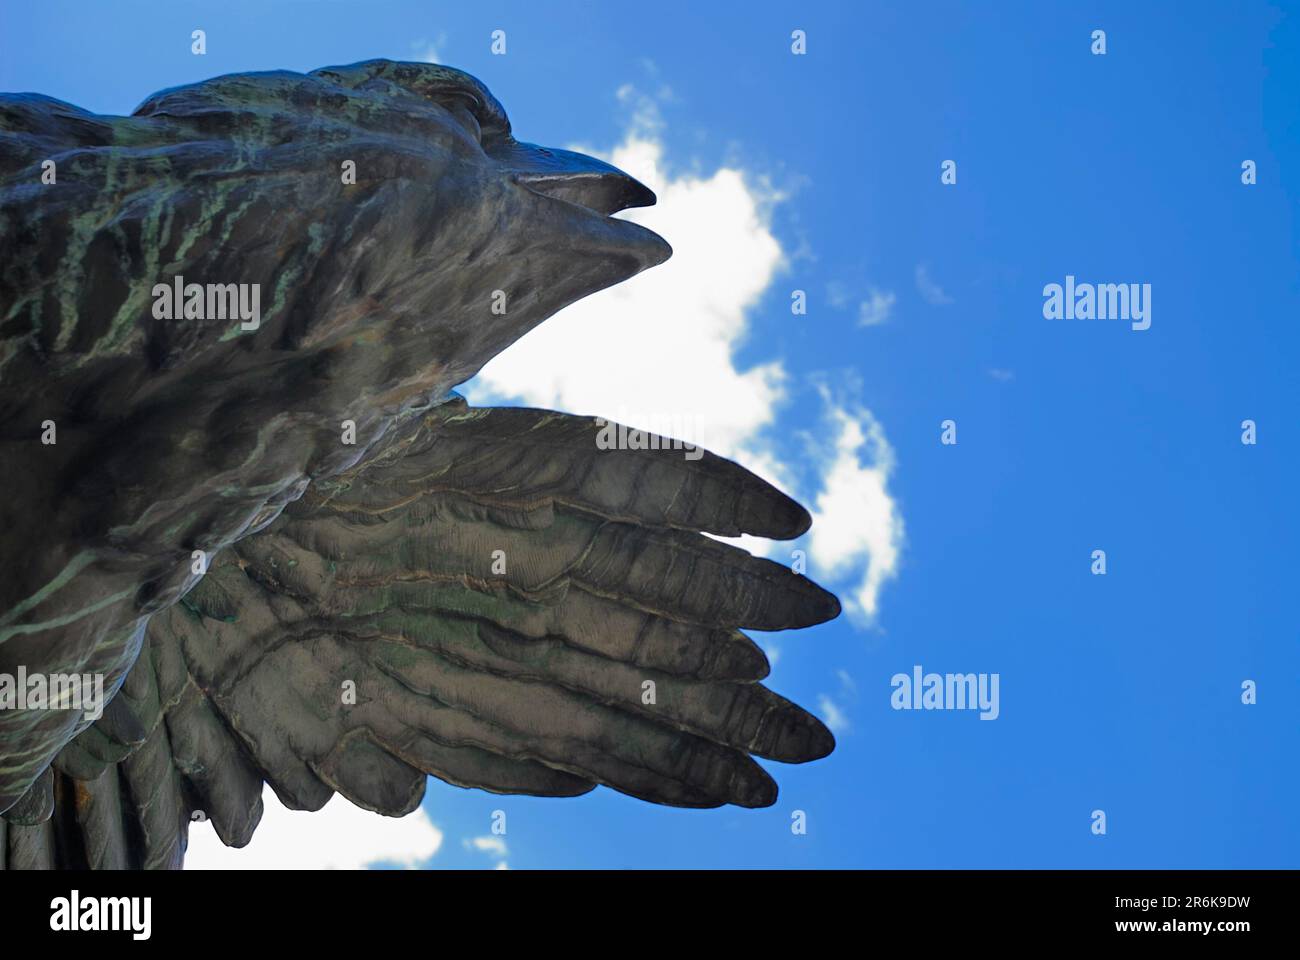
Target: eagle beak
<point x="575" y="178"/>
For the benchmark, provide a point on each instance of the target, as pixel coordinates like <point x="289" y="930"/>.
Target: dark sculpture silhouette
<point x="478" y="594"/>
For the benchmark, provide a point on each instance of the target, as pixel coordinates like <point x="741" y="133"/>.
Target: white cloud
<point x="339" y="836"/>
<point x="931" y="292"/>
<point x="856" y="521"/>
<point x="426" y="52"/>
<point x="837" y="295"/>
<point x="493" y="846"/>
<point x="660" y="346"/>
<point x="876" y="309"/>
<point x="1002" y="376"/>
<point x="660" y="350"/>
<point x="832" y="715"/>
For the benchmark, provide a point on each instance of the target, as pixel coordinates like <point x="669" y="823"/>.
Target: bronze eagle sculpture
<point x="266" y="524"/>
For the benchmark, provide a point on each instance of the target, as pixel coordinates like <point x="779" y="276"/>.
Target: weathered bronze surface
<point x="494" y="589"/>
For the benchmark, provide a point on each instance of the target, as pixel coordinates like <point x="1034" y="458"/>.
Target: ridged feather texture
<point x="498" y="592"/>
<point x="482" y="595"/>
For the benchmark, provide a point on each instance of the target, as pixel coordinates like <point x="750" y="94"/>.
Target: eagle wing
<point x="492" y="600"/>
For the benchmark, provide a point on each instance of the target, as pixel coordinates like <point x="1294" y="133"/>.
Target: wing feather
<point x="493" y="599"/>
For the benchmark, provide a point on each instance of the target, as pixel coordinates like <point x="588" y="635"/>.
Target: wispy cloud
<point x="493" y="846"/>
<point x="857" y="524"/>
<point x="930" y="291"/>
<point x="835" y="716"/>
<point x="876" y="309"/>
<point x="427" y="51"/>
<point x="832" y="715"/>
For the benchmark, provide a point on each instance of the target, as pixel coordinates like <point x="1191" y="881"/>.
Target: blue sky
<point x="1119" y="692"/>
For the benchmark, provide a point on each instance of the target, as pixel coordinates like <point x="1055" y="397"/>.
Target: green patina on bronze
<point x="482" y="595"/>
